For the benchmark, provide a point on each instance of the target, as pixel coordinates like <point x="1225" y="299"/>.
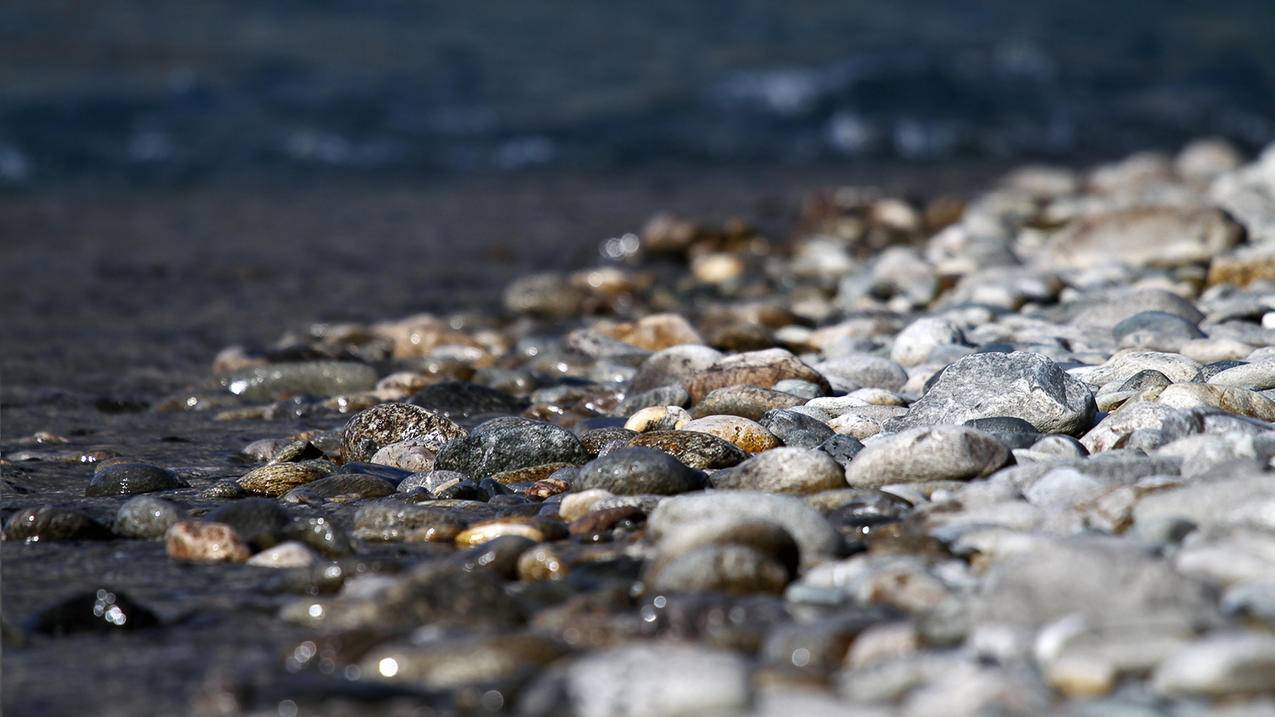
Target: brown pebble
<point x="206" y="542"/>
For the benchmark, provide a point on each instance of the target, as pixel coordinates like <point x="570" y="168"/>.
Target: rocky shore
<point x="1010" y="455"/>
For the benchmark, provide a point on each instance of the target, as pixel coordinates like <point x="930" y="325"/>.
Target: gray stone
<point x="1019" y="384"/>
<point x="926" y="454"/>
<point x="657" y="680"/>
<point x="131" y="479"/>
<point x="847" y="373"/>
<point x="817" y="538"/>
<point x="796" y="429"/>
<point x="145" y="517"/>
<point x="1220" y="665"/>
<point x="370" y="430"/>
<point x="504" y="444"/>
<point x="638" y="471"/>
<point x="784" y="470"/>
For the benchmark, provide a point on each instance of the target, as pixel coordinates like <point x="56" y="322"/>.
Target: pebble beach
<point x="1000" y="446"/>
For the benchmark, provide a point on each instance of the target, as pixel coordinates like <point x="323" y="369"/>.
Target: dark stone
<point x="389" y="474"/>
<point x="796" y="429"/>
<point x="50" y="523"/>
<point x="695" y="449"/>
<point x="503" y="444"/>
<point x="595" y="440"/>
<point x="460" y="399"/>
<point x="1158" y="325"/>
<point x="258" y="521"/>
<point x="101" y="611"/>
<point x="1208" y="371"/>
<point x="131" y="479"/>
<point x="341" y="488"/>
<point x="674" y="395"/>
<point x="842" y="448"/>
<point x="639" y="471"/>
<point x="1145" y="378"/>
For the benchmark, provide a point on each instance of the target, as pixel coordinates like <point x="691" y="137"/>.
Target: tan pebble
<point x="1228" y="398"/>
<point x="409" y="455"/>
<point x="717" y="268"/>
<point x="291" y="554"/>
<point x="279" y="478"/>
<point x="658" y="418"/>
<point x="541" y="563"/>
<point x="855" y="426"/>
<point x="205" y="541"/>
<point x="532" y="529"/>
<point x="882" y="643"/>
<point x="742" y="432"/>
<point x="577" y="505"/>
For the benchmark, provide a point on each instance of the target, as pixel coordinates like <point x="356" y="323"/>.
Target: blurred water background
<point x="150" y="91"/>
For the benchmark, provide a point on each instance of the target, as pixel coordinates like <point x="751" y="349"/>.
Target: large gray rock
<point x="926" y="454"/>
<point x="1020" y="384"/>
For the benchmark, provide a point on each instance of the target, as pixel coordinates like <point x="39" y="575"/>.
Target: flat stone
<point x="926" y="454"/>
<point x="131" y="479"/>
<point x="1019" y="384"/>
<point x="853" y="371"/>
<point x="1151" y="236"/>
<point x="795" y="429"/>
<point x="507" y="443"/>
<point x="279" y="478"/>
<point x="745" y="401"/>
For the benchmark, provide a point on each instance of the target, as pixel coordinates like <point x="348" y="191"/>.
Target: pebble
<point x="1220" y="665"/>
<point x="1020" y="384"/>
<point x="410" y="455"/>
<point x="508" y="443"/>
<point x="734" y="569"/>
<point x="279" y="478"/>
<point x="375" y="428"/>
<point x="745" y="401"/>
<point x="817" y="538"/>
<point x="391" y="521"/>
<point x="461" y="399"/>
<point x="638" y="471"/>
<point x="762" y="368"/>
<point x="145" y="517"/>
<point x="914" y="343"/>
<point x="747" y="435"/>
<point x="205" y="542"/>
<point x="131" y="479"/>
<point x="658" y="418"/>
<point x="926" y="454"/>
<point x="339" y="488"/>
<point x="697" y="450"/>
<point x="784" y="470"/>
<point x="796" y="429"/>
<point x="315" y="378"/>
<point x="647" y="680"/>
<point x="291" y="554"/>
<point x="44" y="523"/>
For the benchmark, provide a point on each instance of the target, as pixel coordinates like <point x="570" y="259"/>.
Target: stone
<point x="656" y="679"/>
<point x="695" y="449"/>
<point x="783" y="470"/>
<point x="1105" y="310"/>
<point x="131" y="479"/>
<point x="658" y="418"/>
<point x="1155" y="330"/>
<point x="926" y="454"/>
<point x="1144" y="236"/>
<point x="410" y="455"/>
<point x="745" y="401"/>
<point x="284" y="380"/>
<point x="1020" y="384"/>
<point x="260" y="522"/>
<point x="205" y="542"/>
<point x="816" y="537"/>
<point x="673" y="366"/>
<point x="638" y="471"/>
<point x="455" y="662"/>
<point x="371" y="430"/>
<point x="741" y="432"/>
<point x="462" y="399"/>
<point x="853" y="371"/>
<point x="1125" y="364"/>
<point x="762" y="368"/>
<point x="279" y="478"/>
<point x="291" y="554"/>
<point x="45" y="523"/>
<point x="796" y="430"/>
<point x="339" y="488"/>
<point x="1220" y="665"/>
<point x="729" y="568"/>
<point x="1231" y="399"/>
<point x="391" y="521"/>
<point x="145" y="518"/>
<point x="508" y="443"/>
<point x="915" y="342"/>
<point x="841" y="448"/>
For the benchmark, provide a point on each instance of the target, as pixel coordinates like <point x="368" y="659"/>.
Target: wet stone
<point x="339" y="488"/>
<point x="98" y="611"/>
<point x="674" y="395"/>
<point x="205" y="542"/>
<point x="392" y="521"/>
<point x="927" y="454"/>
<point x="784" y="470"/>
<point x="50" y="523"/>
<point x="460" y="399"/>
<point x="145" y="517"/>
<point x="373" y="429"/>
<point x="749" y="402"/>
<point x="594" y="441"/>
<point x="794" y="429"/>
<point x="257" y="521"/>
<point x="638" y="471"/>
<point x="742" y="432"/>
<point x="131" y="479"/>
<point x="279" y="478"/>
<point x="727" y="568"/>
<point x="317" y="378"/>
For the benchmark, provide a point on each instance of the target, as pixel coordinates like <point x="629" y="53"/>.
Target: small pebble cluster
<point x="1010" y="456"/>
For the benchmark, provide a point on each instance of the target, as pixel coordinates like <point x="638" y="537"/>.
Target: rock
<point x="391" y="521"/>
<point x="576" y="505"/>
<point x="315" y="378"/>
<point x="1220" y="665"/>
<point x="145" y="517"/>
<point x="915" y="342"/>
<point x="44" y="523"/>
<point x="96" y="611"/>
<point x="1105" y="310"/>
<point x="381" y="425"/>
<point x="279" y="478"/>
<point x="291" y="554"/>
<point x="755" y="368"/>
<point x="1125" y="364"/>
<point x="257" y="521"/>
<point x="744" y="401"/>
<point x="461" y="399"/>
<point x="1256" y="376"/>
<point x="536" y="530"/>
<point x="673" y="366"/>
<point x="674" y="395"/>
<point x="694" y="449"/>
<point x="429" y="480"/>
<point x="741" y="432"/>
<point x="455" y="662"/>
<point x="926" y="454"/>
<point x="508" y="443"/>
<point x="205" y="542"/>
<point x="784" y="470"/>
<point x="658" y="418"/>
<point x="131" y="479"/>
<point x="410" y="455"/>
<point x="817" y="538"/>
<point x="1144" y="236"/>
<point x="1248" y="195"/>
<point x="1243" y="270"/>
<point x="858" y="370"/>
<point x="656" y="332"/>
<point x="638" y="471"/>
<point x="1115" y="430"/>
<point x="545" y="295"/>
<point x="598" y="440"/>
<point x="1155" y="330"/>
<point x="1012" y="431"/>
<point x="1227" y="398"/>
<point x="1019" y="384"/>
<point x="725" y="568"/>
<point x="843" y="449"/>
<point x="339" y="488"/>
<point x="796" y="429"/>
<point x="654" y="680"/>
